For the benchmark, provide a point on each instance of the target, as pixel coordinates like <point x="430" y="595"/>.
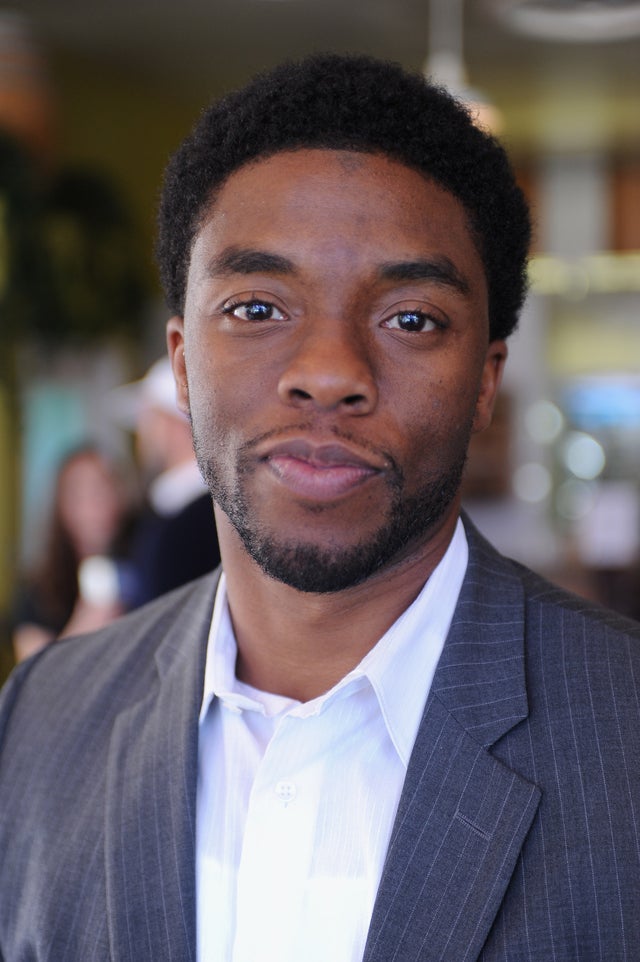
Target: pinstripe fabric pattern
<point x="516" y="838"/>
<point x="97" y="815"/>
<point x="517" y="834"/>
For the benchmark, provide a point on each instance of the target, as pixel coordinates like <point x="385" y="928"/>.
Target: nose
<point x="329" y="370"/>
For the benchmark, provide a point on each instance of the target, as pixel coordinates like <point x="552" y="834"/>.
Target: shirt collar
<point x="399" y="668"/>
<point x="402" y="665"/>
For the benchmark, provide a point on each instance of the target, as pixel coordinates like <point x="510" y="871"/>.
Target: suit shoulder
<point x="497" y="586"/>
<point x="579" y="650"/>
<point x="103" y="670"/>
<point x="555" y="603"/>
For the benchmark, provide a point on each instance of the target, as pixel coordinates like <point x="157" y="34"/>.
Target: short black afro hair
<point x="352" y="103"/>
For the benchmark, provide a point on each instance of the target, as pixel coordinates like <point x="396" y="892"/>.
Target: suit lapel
<point x="463" y="816"/>
<point x="150" y="800"/>
<point x="462" y="819"/>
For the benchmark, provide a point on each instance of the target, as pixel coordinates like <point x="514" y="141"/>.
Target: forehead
<point x="339" y="204"/>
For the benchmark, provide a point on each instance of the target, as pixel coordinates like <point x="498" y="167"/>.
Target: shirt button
<point x="286" y="791"/>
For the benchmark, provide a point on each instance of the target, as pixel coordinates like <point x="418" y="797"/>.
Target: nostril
<point x="328" y="382"/>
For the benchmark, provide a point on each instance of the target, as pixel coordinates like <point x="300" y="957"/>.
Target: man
<point x="372" y="737"/>
<point x="174" y="540"/>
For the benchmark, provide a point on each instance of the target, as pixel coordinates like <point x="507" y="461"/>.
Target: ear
<point x="489" y="384"/>
<point x="175" y="346"/>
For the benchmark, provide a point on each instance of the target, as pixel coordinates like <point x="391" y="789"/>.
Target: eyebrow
<point x="438" y="269"/>
<point x="236" y="260"/>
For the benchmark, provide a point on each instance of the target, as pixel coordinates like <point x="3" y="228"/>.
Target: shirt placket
<point x="277" y="846"/>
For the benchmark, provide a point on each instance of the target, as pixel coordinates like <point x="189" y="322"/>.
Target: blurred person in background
<point x="72" y="588"/>
<point x="175" y="539"/>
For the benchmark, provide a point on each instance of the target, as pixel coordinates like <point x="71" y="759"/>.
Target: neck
<point x="300" y="644"/>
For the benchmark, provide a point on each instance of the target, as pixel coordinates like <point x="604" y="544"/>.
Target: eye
<point x="254" y="310"/>
<point x="412" y="321"/>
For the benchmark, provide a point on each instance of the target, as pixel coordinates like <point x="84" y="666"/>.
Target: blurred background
<point x="96" y="94"/>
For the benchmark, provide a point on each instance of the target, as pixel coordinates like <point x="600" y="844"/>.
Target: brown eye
<point x="254" y="311"/>
<point x="411" y="321"/>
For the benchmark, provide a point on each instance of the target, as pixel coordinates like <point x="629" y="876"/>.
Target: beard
<point x="320" y="569"/>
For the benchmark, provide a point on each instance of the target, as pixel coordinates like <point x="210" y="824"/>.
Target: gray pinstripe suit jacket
<point x="517" y="835"/>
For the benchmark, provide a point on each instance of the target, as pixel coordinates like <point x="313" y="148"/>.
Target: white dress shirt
<point x="296" y="801"/>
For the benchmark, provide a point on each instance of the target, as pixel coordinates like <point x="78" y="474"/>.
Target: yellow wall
<point x="115" y="121"/>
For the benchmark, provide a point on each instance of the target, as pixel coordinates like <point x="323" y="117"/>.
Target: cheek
<point x="436" y="404"/>
<point x="229" y="394"/>
<point x="220" y="412"/>
<point x="434" y="431"/>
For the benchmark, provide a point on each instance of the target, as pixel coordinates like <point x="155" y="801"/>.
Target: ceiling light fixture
<point x="570" y="21"/>
<point x="445" y="61"/>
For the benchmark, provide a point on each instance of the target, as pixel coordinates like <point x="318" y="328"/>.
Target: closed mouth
<point x="319" y="471"/>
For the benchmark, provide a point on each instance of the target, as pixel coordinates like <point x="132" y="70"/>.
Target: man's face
<point x="335" y="344"/>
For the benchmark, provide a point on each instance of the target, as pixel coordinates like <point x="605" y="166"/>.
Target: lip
<point x="319" y="471"/>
